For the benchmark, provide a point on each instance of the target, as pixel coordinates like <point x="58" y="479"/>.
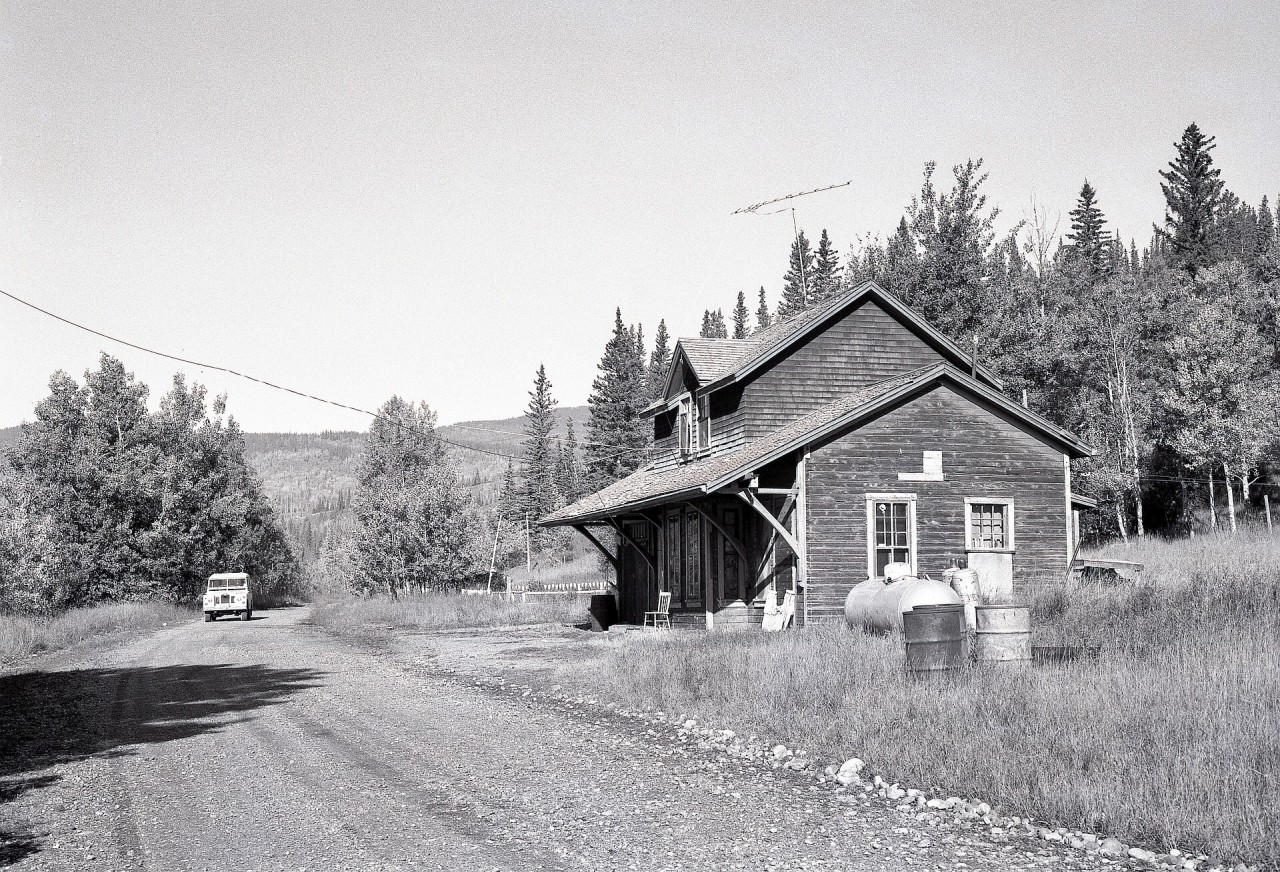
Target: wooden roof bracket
<point x="640" y="549"/>
<point x="590" y="537"/>
<point x="750" y="499"/>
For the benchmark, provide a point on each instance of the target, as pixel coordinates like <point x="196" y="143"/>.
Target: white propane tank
<point x="877" y="606"/>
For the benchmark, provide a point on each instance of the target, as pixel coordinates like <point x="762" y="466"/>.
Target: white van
<point x="228" y="593"/>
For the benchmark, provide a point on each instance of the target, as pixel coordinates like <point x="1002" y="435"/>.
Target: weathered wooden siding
<point x="865" y="346"/>
<point x="984" y="455"/>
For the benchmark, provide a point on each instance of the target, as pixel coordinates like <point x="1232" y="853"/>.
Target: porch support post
<point x="750" y="499"/>
<point x="590" y="537"/>
<point x="648" y="558"/>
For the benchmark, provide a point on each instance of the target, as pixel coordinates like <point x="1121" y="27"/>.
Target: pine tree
<point x="901" y="270"/>
<point x="797" y="284"/>
<point x="954" y="232"/>
<point x="658" y="363"/>
<point x="740" y="316"/>
<point x="618" y="436"/>
<point x="1090" y="242"/>
<point x="1266" y="229"/>
<point x="510" y="496"/>
<point x="569" y="467"/>
<point x="1192" y="189"/>
<point x="763" y="318"/>
<point x="826" y="271"/>
<point x="713" y="326"/>
<point x="541" y="495"/>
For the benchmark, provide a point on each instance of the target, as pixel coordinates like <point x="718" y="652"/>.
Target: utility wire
<point x="376" y="416"/>
<point x="242" y="375"/>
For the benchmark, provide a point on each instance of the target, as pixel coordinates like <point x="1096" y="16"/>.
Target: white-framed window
<point x="988" y="524"/>
<point x="704" y="422"/>
<point x="685" y="422"/>
<point x="891" y="532"/>
<point x="695" y="424"/>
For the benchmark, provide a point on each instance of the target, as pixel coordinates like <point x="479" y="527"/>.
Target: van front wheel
<point x="246" y="615"/>
<point x="208" y="616"/>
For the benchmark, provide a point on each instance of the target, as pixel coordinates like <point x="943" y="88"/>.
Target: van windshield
<point x="226" y="584"/>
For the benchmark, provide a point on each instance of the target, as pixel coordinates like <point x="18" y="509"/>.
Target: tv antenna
<point x="754" y="209"/>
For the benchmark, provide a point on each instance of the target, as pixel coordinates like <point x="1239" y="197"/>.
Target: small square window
<point x="989" y="525"/>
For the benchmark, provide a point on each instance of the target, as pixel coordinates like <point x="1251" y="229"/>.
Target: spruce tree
<point x="713" y="326"/>
<point x="1090" y="242"/>
<point x="763" y="318"/>
<point x="1266" y="229"/>
<point x="901" y="264"/>
<point x="826" y="271"/>
<point x="1192" y="189"/>
<point x="955" y="232"/>
<point x="797" y="284"/>
<point x="658" y="363"/>
<point x="740" y="316"/>
<point x="541" y="496"/>
<point x="569" y="467"/>
<point x="618" y="436"/>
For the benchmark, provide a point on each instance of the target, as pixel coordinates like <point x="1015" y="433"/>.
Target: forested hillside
<point x="310" y="478"/>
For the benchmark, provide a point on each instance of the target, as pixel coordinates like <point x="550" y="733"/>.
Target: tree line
<point x="1164" y="358"/>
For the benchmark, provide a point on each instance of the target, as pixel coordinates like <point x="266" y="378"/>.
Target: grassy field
<point x="1170" y="739"/>
<point x="435" y="611"/>
<point x="21" y="636"/>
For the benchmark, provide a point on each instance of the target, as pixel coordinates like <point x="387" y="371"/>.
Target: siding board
<point x="984" y="455"/>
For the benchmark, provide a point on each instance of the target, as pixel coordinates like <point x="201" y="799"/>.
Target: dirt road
<point x="270" y="745"/>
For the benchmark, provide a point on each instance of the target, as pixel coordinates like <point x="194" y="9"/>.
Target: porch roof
<point x="648" y="487"/>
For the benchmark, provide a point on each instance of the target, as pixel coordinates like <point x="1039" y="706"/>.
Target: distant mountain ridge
<point x="310" y="477"/>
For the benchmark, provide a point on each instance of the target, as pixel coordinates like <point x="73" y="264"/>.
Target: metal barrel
<point x="1003" y="635"/>
<point x="603" y="612"/>
<point x="935" y="638"/>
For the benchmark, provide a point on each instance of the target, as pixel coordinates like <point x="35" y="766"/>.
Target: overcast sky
<point x="364" y="199"/>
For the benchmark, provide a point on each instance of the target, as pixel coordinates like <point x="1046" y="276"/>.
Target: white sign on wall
<point x="931" y="466"/>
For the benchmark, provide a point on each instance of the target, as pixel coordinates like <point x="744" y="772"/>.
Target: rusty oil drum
<point x="1003" y="635"/>
<point x="935" y="638"/>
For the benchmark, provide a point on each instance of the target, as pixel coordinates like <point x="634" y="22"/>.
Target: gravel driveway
<point x="271" y="745"/>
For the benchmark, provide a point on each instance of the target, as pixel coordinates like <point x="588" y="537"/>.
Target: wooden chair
<point x="662" y="617"/>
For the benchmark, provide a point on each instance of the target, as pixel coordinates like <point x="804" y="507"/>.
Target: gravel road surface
<point x="271" y="745"/>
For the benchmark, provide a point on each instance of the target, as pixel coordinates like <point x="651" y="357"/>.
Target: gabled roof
<point x="649" y="487"/>
<point x="712" y="358"/>
<point x="729" y="360"/>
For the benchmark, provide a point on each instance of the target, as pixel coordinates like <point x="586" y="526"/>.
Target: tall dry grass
<point x="1170" y="739"/>
<point x="23" y="636"/>
<point x="435" y="611"/>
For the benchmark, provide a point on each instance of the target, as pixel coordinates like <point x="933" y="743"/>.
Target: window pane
<point x="987" y="525"/>
<point x="892" y="534"/>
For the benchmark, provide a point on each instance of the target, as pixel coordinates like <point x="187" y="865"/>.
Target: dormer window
<point x="686" y="424"/>
<point x="695" y="425"/>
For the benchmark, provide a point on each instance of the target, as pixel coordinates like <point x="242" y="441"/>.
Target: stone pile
<point x="848" y="781"/>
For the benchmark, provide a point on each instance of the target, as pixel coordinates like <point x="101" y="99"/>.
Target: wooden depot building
<point x="810" y="455"/>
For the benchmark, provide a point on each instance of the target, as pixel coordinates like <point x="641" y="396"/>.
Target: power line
<point x="242" y="375"/>
<point x="376" y="416"/>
